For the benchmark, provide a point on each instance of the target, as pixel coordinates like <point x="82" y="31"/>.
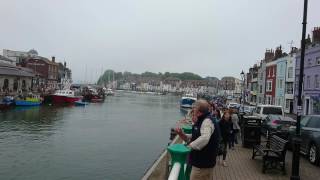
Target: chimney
<point x="278" y="52"/>
<point x="53" y="59"/>
<point x="316" y="35"/>
<point x="293" y="50"/>
<point x="268" y="55"/>
<point x="308" y="40"/>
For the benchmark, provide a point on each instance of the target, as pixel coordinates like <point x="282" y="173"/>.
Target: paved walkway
<point x="242" y="167"/>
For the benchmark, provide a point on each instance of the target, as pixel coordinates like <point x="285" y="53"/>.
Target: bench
<point x="273" y="153"/>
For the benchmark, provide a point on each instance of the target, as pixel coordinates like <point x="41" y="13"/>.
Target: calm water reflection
<point x="118" y="139"/>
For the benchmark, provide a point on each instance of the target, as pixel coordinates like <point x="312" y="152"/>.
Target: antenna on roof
<point x="291" y="44"/>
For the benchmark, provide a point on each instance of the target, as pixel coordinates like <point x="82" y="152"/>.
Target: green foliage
<point x="109" y="74"/>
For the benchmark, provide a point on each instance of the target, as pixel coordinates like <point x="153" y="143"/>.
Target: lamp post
<point x="295" y="158"/>
<point x="243" y="90"/>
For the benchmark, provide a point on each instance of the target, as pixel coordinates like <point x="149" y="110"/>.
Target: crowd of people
<point x="214" y="132"/>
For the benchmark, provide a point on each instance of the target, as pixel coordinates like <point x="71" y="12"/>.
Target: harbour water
<point x="118" y="139"/>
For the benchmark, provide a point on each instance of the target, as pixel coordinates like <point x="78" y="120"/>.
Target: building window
<point x="269" y="100"/>
<point x="280" y="83"/>
<point x="309" y="62"/>
<point x="260" y="89"/>
<point x="289" y="88"/>
<point x="308" y="82"/>
<point x="269" y="85"/>
<point x="273" y="71"/>
<point x="5" y="85"/>
<point x="287" y="103"/>
<point x="15" y="84"/>
<point x="318" y="60"/>
<point x="290" y="72"/>
<point x="316" y="81"/>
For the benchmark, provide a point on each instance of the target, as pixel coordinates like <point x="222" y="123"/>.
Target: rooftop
<point x="11" y="70"/>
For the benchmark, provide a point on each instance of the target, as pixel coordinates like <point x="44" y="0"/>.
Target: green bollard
<point x="187" y="129"/>
<point x="179" y="154"/>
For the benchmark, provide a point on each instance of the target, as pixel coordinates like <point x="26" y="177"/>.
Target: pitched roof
<point x="6" y="59"/>
<point x="11" y="70"/>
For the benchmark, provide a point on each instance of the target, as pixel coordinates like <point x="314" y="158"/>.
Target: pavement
<point x="242" y="167"/>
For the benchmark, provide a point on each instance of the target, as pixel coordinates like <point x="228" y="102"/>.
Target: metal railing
<point x="175" y="171"/>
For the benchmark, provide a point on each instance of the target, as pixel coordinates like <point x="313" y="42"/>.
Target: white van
<point x="264" y="110"/>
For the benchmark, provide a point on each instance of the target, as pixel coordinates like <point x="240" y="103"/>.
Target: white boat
<point x="109" y="92"/>
<point x="187" y="101"/>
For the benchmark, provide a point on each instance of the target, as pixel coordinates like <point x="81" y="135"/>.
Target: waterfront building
<point x="289" y="80"/>
<point x="46" y="72"/>
<point x="252" y="86"/>
<point x="7" y="60"/>
<point x="14" y="79"/>
<point x="271" y="69"/>
<point x="17" y="56"/>
<point x="311" y="83"/>
<point x="281" y="64"/>
<point x="268" y="56"/>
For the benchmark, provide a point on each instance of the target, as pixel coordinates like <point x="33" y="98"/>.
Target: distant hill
<point x="109" y="75"/>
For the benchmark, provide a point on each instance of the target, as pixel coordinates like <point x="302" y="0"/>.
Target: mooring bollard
<point x="187" y="129"/>
<point x="179" y="154"/>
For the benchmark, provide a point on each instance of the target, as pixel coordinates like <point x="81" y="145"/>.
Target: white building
<point x="7" y="60"/>
<point x="17" y="56"/>
<point x="289" y="89"/>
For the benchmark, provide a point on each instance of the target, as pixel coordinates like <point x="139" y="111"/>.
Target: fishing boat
<point x="96" y="99"/>
<point x="6" y="103"/>
<point x="81" y="103"/>
<point x="187" y="101"/>
<point x="32" y="100"/>
<point x="65" y="96"/>
<point x="109" y="92"/>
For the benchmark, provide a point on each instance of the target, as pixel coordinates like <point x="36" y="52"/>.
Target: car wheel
<point x="313" y="154"/>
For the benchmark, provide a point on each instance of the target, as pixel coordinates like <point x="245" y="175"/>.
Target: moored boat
<point x="109" y="92"/>
<point x="187" y="101"/>
<point x="81" y="103"/>
<point x="65" y="96"/>
<point x="33" y="100"/>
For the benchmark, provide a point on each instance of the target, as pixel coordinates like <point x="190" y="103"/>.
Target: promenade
<point x="242" y="167"/>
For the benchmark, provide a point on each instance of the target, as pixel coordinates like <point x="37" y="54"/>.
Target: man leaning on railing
<point x="203" y="142"/>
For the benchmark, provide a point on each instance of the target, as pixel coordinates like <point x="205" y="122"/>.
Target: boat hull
<point x="80" y="103"/>
<point x="27" y="103"/>
<point x="187" y="102"/>
<point x="96" y="100"/>
<point x="64" y="99"/>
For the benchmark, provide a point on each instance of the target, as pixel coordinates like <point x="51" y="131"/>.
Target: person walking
<point x="226" y="129"/>
<point x="235" y="129"/>
<point x="203" y="142"/>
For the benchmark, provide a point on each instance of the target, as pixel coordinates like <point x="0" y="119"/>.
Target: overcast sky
<point x="209" y="37"/>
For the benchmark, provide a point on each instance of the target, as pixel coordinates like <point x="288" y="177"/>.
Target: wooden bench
<point x="273" y="153"/>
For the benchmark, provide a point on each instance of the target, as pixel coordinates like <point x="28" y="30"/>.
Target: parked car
<point x="277" y="124"/>
<point x="247" y="110"/>
<point x="264" y="110"/>
<point x="310" y="137"/>
<point x="233" y="105"/>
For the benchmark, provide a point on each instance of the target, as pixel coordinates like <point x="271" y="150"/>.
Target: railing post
<point x="187" y="129"/>
<point x="179" y="154"/>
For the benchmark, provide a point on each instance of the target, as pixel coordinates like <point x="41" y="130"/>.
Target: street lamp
<point x="295" y="158"/>
<point x="243" y="90"/>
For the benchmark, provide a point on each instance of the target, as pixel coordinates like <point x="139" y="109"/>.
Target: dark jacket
<point x="206" y="157"/>
<point x="225" y="129"/>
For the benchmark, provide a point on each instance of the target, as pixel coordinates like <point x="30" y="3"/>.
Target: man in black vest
<point x="203" y="142"/>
